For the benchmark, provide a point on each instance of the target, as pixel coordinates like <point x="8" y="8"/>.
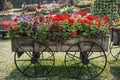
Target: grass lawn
<point x="8" y="70"/>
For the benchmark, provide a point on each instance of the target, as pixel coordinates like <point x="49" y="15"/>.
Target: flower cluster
<point x="116" y="24"/>
<point x="59" y="27"/>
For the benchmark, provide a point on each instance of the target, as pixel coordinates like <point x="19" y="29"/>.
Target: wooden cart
<point x="36" y="59"/>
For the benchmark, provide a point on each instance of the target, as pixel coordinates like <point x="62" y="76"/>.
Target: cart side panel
<point x="101" y="41"/>
<point x="116" y="37"/>
<point x="27" y="44"/>
<point x="68" y="43"/>
<point x="22" y="43"/>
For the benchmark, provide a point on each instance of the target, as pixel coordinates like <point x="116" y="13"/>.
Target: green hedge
<point x="106" y="7"/>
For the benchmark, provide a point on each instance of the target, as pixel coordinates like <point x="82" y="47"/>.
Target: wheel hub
<point x="84" y="57"/>
<point x="34" y="60"/>
<point x="35" y="57"/>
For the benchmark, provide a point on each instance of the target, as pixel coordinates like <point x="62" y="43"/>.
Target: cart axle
<point x="84" y="57"/>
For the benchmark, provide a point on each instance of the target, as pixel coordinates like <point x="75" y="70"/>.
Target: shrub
<point x="31" y="7"/>
<point x="8" y="5"/>
<point x="106" y="7"/>
<point x="84" y="3"/>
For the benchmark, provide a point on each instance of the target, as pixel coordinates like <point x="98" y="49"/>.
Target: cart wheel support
<point x="114" y="51"/>
<point x="35" y="64"/>
<point x="86" y="64"/>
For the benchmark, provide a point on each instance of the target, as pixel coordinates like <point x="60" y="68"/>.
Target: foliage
<point x="8" y="5"/>
<point x="59" y="27"/>
<point x="55" y="8"/>
<point x="18" y="3"/>
<point x="67" y="10"/>
<point x="64" y="5"/>
<point x="106" y="7"/>
<point x="119" y="8"/>
<point x="84" y="3"/>
<point x="116" y="24"/>
<point x="30" y="7"/>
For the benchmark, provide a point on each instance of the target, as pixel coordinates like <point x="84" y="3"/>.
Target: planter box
<point x="27" y="44"/>
<point x="115" y="37"/>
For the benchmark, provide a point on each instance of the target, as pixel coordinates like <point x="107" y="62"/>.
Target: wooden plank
<point x="27" y="44"/>
<point x="116" y="37"/>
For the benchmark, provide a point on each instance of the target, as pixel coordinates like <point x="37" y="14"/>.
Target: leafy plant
<point x="106" y="7"/>
<point x="116" y="24"/>
<point x="59" y="27"/>
<point x="84" y="4"/>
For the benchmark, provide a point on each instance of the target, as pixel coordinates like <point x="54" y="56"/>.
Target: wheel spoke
<point x="96" y="57"/>
<point x="27" y="67"/>
<point x="80" y="70"/>
<point x="76" y="64"/>
<point x="117" y="55"/>
<point x="89" y="71"/>
<point x="91" y="48"/>
<point x="89" y="54"/>
<point x="35" y="69"/>
<point x="47" y="60"/>
<point x="72" y="55"/>
<point x="95" y="65"/>
<point x="22" y="60"/>
<point x="79" y="47"/>
<point x="40" y="65"/>
<point x="26" y="52"/>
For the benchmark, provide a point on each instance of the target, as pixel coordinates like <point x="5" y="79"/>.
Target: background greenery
<point x="18" y="3"/>
<point x="106" y="7"/>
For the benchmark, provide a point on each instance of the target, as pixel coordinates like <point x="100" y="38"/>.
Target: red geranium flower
<point x="106" y="22"/>
<point x="41" y="18"/>
<point x="79" y="20"/>
<point x="51" y="13"/>
<point x="56" y="24"/>
<point x="83" y="13"/>
<point x="38" y="7"/>
<point x="98" y="16"/>
<point x="74" y="33"/>
<point x="88" y="22"/>
<point x="106" y="17"/>
<point x="59" y="27"/>
<point x="98" y="23"/>
<point x="70" y="21"/>
<point x="15" y="19"/>
<point x="90" y="17"/>
<point x="66" y="16"/>
<point x="77" y="13"/>
<point x="7" y="26"/>
<point x="15" y="27"/>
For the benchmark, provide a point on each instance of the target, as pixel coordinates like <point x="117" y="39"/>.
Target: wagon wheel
<point x="115" y="51"/>
<point x="35" y="64"/>
<point x="85" y="63"/>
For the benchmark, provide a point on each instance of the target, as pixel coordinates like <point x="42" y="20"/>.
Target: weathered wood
<point x="116" y="37"/>
<point x="26" y="43"/>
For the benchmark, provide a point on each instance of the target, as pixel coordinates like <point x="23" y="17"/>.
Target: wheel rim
<point x="82" y="65"/>
<point x="28" y="65"/>
<point x="115" y="51"/>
